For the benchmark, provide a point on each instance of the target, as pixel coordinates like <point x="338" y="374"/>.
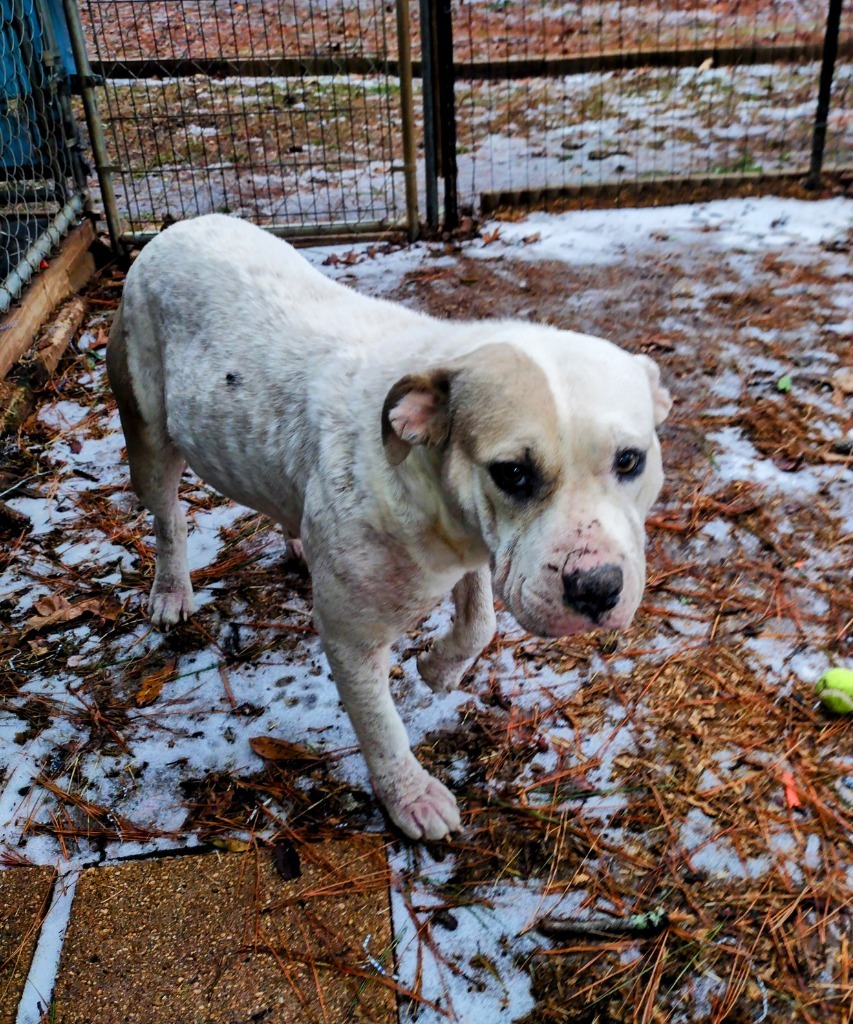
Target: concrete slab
<point x="224" y="939"/>
<point x="24" y="899"/>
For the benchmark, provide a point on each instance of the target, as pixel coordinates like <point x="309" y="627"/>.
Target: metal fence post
<point x="447" y="111"/>
<point x="830" y="51"/>
<point x="428" y="88"/>
<point x="404" y="46"/>
<point x="93" y="122"/>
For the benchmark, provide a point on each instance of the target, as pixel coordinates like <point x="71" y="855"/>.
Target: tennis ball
<point x="835" y="689"/>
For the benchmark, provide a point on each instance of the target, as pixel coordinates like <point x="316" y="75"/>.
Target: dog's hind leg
<point x="445" y="663"/>
<point x="155" y="473"/>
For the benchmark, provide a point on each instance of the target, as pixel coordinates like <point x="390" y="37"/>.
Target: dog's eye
<point x="629" y="463"/>
<point x="514" y="478"/>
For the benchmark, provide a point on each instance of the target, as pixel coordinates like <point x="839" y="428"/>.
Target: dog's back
<point x="217" y="347"/>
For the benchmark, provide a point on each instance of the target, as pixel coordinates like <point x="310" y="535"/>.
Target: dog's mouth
<point x="549" y="616"/>
<point x="565" y="623"/>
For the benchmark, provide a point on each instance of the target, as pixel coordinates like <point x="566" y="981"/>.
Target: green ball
<point x="835" y="689"/>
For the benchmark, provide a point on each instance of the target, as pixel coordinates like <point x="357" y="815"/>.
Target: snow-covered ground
<point x="69" y="714"/>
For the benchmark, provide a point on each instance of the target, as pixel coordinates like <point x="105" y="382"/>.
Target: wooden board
<point x="68" y="272"/>
<point x="56" y="339"/>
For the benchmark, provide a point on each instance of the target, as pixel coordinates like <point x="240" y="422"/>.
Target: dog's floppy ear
<point x="661" y="398"/>
<point x="416" y="411"/>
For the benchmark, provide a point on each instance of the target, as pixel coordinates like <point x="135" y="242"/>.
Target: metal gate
<point x="296" y="114"/>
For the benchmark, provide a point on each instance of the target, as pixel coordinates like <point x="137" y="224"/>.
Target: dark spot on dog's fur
<point x="233" y="380"/>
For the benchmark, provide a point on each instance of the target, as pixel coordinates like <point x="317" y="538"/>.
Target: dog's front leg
<point x="419" y="804"/>
<point x="445" y="663"/>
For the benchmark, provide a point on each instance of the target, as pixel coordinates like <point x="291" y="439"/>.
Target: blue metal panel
<point x="23" y="43"/>
<point x="22" y="73"/>
<point x="20" y="33"/>
<point x="60" y="31"/>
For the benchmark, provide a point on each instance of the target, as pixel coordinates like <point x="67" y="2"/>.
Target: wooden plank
<point x="628" y="60"/>
<point x="663" y="191"/>
<point x="68" y="272"/>
<point x="56" y="339"/>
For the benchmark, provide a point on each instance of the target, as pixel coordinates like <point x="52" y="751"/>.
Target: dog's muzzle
<point x="593" y="592"/>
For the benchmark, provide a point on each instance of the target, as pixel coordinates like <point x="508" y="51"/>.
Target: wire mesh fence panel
<point x="42" y="179"/>
<point x="505" y="29"/>
<point x="287" y="113"/>
<point x="556" y="95"/>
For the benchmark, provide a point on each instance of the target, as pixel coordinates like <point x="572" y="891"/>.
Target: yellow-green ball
<point x="835" y="689"/>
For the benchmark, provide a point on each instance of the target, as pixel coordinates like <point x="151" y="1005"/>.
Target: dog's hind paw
<point x="440" y="674"/>
<point x="169" y="604"/>
<point x="422" y="807"/>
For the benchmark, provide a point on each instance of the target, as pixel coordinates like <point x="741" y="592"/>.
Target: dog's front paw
<point x="440" y="674"/>
<point x="170" y="603"/>
<point x="421" y="806"/>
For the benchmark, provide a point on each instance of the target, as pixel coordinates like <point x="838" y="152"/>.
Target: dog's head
<point x="549" y="452"/>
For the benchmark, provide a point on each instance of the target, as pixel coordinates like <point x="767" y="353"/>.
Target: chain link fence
<point x="42" y="174"/>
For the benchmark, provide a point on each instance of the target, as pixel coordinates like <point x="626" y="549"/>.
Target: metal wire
<point x="42" y="178"/>
<point x="286" y="113"/>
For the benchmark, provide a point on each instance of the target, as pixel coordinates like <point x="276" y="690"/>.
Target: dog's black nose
<point x="592" y="592"/>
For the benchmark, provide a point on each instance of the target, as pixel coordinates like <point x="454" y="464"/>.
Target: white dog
<point x="411" y="456"/>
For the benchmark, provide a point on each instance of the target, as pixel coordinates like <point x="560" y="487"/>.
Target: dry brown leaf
<point x="271" y="749"/>
<point x="349" y="259"/>
<point x="663" y="341"/>
<point x="48" y="605"/>
<point x="151" y="686"/>
<point x="111" y="609"/>
<point x="286" y="860"/>
<point x="56" y="609"/>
